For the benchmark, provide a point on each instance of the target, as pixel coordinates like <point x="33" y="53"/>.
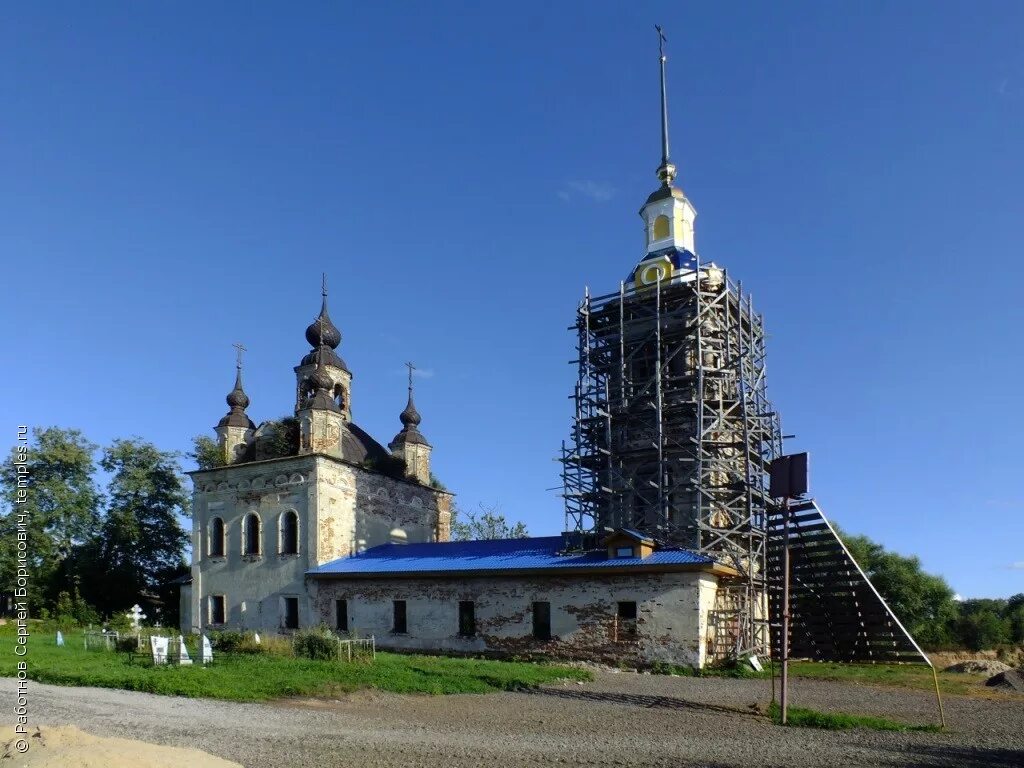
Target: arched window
<point x="340" y="396"/>
<point x="251" y="535"/>
<point x="289" y="533"/>
<point x="660" y="229"/>
<point x="215" y="548"/>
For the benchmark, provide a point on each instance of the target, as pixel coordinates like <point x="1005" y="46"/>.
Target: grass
<point x="916" y="676"/>
<point x="837" y="721"/>
<point x="259" y="677"/>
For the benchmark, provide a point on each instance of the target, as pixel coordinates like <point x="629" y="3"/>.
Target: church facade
<point x="282" y="498"/>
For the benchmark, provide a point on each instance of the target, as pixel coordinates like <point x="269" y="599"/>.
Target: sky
<point x="177" y="176"/>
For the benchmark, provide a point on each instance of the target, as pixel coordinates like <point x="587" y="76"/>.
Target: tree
<point x="63" y="505"/>
<point x="922" y="601"/>
<point x="141" y="544"/>
<point x="206" y="453"/>
<point x="487" y="523"/>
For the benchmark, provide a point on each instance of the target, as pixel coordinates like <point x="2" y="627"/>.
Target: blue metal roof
<point x="538" y="553"/>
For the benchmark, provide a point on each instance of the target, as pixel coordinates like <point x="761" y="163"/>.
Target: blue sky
<point x="177" y="176"/>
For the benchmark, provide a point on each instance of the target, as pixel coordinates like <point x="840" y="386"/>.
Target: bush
<point x="127" y="644"/>
<point x="227" y="641"/>
<point x="317" y="644"/>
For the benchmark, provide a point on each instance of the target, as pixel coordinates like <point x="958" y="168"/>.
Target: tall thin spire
<point x="239" y="349"/>
<point x="666" y="171"/>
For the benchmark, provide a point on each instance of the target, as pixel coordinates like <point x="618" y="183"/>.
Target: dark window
<point x="252" y="535"/>
<point x="627" y="619"/>
<point x="399" y="626"/>
<point x="623" y="551"/>
<point x="542" y="620"/>
<point x="289" y="533"/>
<point x="217" y="537"/>
<point x="217" y="609"/>
<point x="467" y="618"/>
<point x="291" y="613"/>
<point x="341" y="614"/>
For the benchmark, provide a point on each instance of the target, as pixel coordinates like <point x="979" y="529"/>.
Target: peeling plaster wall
<point x="340" y="507"/>
<point x="671" y="621"/>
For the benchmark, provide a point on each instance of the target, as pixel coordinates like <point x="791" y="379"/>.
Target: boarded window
<point x="291" y="613"/>
<point x="624" y="552"/>
<point x="341" y="615"/>
<point x="627" y="619"/>
<point x="467" y="618"/>
<point x="398" y="625"/>
<point x="216" y="548"/>
<point x="289" y="533"/>
<point x="252" y="535"/>
<point x="542" y="620"/>
<point x="217" y="611"/>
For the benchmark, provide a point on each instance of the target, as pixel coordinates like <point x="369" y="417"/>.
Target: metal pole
<point x="938" y="696"/>
<point x="785" y="610"/>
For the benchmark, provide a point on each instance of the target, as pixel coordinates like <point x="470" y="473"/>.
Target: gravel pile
<point x="616" y="720"/>
<point x="980" y="667"/>
<point x="1011" y="680"/>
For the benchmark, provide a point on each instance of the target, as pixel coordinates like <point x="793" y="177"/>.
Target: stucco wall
<point x="341" y="508"/>
<point x="671" y="621"/>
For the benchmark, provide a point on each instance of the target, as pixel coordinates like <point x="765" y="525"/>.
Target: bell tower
<point x="668" y="215"/>
<point x="324" y="338"/>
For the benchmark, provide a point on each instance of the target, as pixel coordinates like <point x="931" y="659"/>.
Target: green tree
<point x="1014" y="614"/>
<point x="923" y="602"/>
<point x="487" y="523"/>
<point x="63" y="505"/>
<point x="141" y="544"/>
<point x="206" y="453"/>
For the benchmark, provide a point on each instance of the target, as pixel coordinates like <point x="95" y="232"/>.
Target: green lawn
<point x="837" y="721"/>
<point x="901" y="675"/>
<point x="251" y="678"/>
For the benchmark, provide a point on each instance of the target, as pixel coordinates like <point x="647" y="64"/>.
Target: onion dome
<point x="238" y="401"/>
<point x="322" y="332"/>
<point x="321" y="385"/>
<point x="324" y="337"/>
<point x="410" y="419"/>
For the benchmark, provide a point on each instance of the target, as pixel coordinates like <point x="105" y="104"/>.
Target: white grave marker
<point x="756" y="663"/>
<point x="256" y="637"/>
<point x="60" y="638"/>
<point x="159" y="648"/>
<point x="136" y="615"/>
<point x="183" y="657"/>
<point x="206" y="655"/>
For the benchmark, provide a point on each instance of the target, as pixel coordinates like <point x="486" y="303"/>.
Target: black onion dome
<point x="322" y="332"/>
<point x="320" y="380"/>
<point x="410" y="433"/>
<point x="410" y="417"/>
<point x="236" y="397"/>
<point x="238" y="401"/>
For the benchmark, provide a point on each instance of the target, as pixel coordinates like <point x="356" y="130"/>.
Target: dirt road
<point x="617" y="720"/>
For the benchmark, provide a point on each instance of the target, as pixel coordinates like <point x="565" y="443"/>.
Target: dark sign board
<point x="788" y="476"/>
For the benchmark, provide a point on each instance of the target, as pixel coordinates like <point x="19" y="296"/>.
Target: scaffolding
<point x="673" y="433"/>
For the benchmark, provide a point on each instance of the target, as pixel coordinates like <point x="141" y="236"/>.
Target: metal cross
<point x="323" y="288"/>
<point x="411" y="368"/>
<point x="661" y="40"/>
<point x="241" y="348"/>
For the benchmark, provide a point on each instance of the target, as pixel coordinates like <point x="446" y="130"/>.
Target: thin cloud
<point x="417" y="373"/>
<point x="596" y="191"/>
<point x="1018" y="566"/>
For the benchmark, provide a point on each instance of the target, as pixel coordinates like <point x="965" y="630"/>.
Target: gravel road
<point x="616" y="720"/>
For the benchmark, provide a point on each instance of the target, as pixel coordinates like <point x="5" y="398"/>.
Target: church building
<point x="283" y="498"/>
<point x="310" y="522"/>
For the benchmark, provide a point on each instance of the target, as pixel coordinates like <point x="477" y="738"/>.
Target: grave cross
<point x="136" y="615"/>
